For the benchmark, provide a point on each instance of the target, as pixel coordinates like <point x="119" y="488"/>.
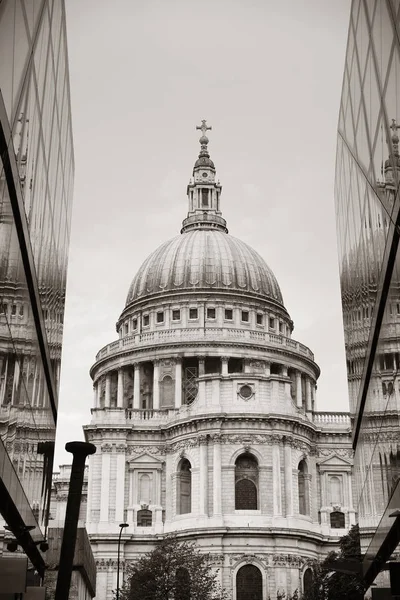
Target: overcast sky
<point x="267" y="76"/>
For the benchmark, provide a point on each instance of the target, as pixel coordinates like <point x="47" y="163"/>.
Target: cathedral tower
<point x="205" y="415"/>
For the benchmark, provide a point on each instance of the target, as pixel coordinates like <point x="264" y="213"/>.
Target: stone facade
<point x="205" y="417"/>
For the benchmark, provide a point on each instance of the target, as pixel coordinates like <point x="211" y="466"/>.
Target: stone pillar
<point x="105" y="482"/>
<point x="156" y="384"/>
<point x="108" y="390"/>
<point x="217" y="476"/>
<point x="136" y="386"/>
<point x="224" y="365"/>
<point x="308" y="395"/>
<point x="267" y="368"/>
<point x="201" y="365"/>
<point x="276" y="480"/>
<point x="120" y="390"/>
<point x="95" y="396"/>
<point x="299" y="399"/>
<point x="288" y="479"/>
<point x="203" y="476"/>
<point x="178" y="383"/>
<point x="98" y="388"/>
<point x="120" y="486"/>
<point x="284" y="371"/>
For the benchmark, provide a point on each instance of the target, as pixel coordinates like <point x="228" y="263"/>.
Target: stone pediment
<point x="335" y="461"/>
<point x="145" y="460"/>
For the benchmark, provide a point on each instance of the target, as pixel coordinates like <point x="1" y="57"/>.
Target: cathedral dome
<point x="204" y="260"/>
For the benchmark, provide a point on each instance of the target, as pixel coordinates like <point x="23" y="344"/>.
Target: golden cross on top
<point x="394" y="126"/>
<point x="204" y="127"/>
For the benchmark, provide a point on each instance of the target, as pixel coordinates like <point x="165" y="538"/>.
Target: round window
<point x="246" y="392"/>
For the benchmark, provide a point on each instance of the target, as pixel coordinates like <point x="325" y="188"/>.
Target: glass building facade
<point x="36" y="180"/>
<point x="368" y="219"/>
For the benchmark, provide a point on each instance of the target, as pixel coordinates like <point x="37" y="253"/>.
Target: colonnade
<point x="177" y="376"/>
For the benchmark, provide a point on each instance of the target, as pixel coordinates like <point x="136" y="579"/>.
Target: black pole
<point x="121" y="525"/>
<point x="79" y="450"/>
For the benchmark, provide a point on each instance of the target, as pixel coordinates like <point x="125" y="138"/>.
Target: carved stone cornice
<point x="108" y="564"/>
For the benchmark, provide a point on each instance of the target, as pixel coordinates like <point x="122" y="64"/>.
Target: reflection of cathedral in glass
<point x="367" y="210"/>
<point x="35" y="207"/>
<point x="205" y="416"/>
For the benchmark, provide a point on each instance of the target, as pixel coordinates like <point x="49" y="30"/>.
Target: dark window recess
<point x="210" y="313"/>
<point x="281" y="327"/>
<point x="14" y="309"/>
<point x="21" y="310"/>
<point x="204" y="197"/>
<point x="229" y="314"/>
<point x="185" y="488"/>
<point x="276" y="369"/>
<point x="249" y="583"/>
<point x="134" y="324"/>
<point x="337" y="520"/>
<point x="245" y="315"/>
<point x="146" y="320"/>
<point x="212" y="365"/>
<point x="235" y="365"/>
<point x="126" y="328"/>
<point x="144" y="518"/>
<point x="193" y="313"/>
<point x="272" y="322"/>
<point x="160" y="317"/>
<point x="3" y="309"/>
<point x="246" y="482"/>
<point x="176" y="315"/>
<point x="259" y="319"/>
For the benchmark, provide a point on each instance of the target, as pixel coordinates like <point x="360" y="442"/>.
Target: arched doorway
<point x="249" y="583"/>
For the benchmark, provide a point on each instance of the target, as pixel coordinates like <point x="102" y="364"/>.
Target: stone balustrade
<point x="332" y="418"/>
<point x="194" y="334"/>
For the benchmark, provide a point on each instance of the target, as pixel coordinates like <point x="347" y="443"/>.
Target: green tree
<point x="174" y="570"/>
<point x="329" y="584"/>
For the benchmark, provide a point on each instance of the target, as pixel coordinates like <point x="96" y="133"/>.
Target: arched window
<point x="336" y="490"/>
<point x="249" y="583"/>
<point x="308" y="578"/>
<point x="184" y="491"/>
<point x="337" y="520"/>
<point x="302" y="479"/>
<point x="167" y="392"/>
<point x="144" y="518"/>
<point x="246" y="482"/>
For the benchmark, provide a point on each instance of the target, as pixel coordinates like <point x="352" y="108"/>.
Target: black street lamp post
<point x="121" y="528"/>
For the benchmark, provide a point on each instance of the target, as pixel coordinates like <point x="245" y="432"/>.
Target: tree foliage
<point x="174" y="570"/>
<point x="329" y="584"/>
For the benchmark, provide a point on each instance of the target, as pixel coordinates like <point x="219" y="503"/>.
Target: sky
<point x="267" y="76"/>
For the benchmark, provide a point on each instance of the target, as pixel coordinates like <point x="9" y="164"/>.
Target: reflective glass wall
<point x="36" y="179"/>
<point x="367" y="213"/>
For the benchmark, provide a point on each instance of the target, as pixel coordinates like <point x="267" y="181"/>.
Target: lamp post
<point x="121" y="527"/>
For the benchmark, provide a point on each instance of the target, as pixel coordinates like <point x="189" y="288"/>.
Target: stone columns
<point x="120" y="486"/>
<point x="120" y="389"/>
<point x="95" y="396"/>
<point x="178" y="383"/>
<point x="299" y="399"/>
<point x="267" y="368"/>
<point x="203" y="476"/>
<point x="308" y="395"/>
<point x="136" y="387"/>
<point x="105" y="483"/>
<point x="156" y="384"/>
<point x="108" y="390"/>
<point x="224" y="365"/>
<point x="201" y="365"/>
<point x="288" y="479"/>
<point x="217" y="476"/>
<point x="276" y="480"/>
<point x="284" y="371"/>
